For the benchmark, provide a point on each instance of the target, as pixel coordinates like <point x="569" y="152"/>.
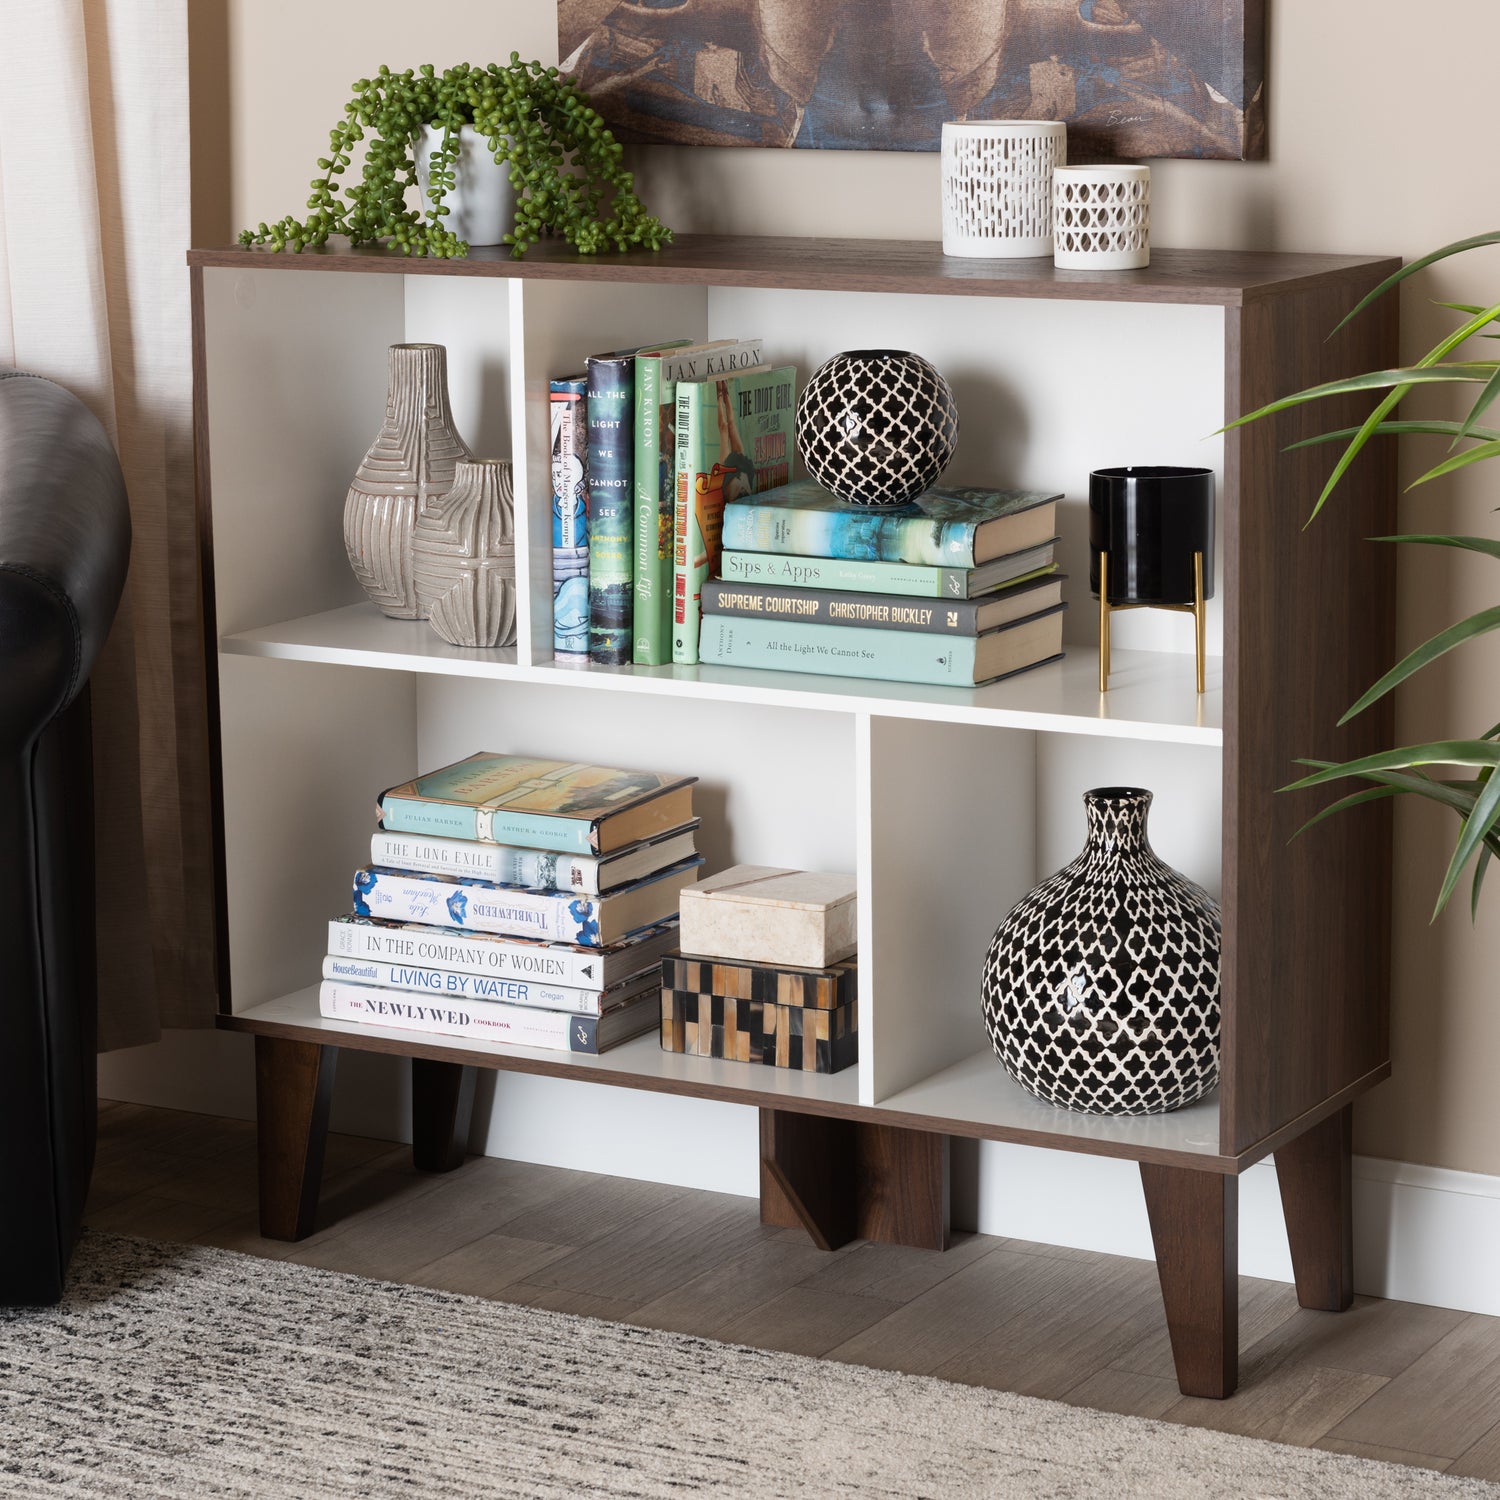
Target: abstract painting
<point x="1132" y="78"/>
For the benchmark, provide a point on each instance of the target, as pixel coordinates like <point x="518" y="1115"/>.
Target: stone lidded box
<point x="767" y="915"/>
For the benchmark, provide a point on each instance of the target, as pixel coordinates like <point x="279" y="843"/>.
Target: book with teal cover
<point x="782" y="570"/>
<point x="537" y="804"/>
<point x="734" y="437"/>
<point x="949" y="527"/>
<point x="884" y="655"/>
<point x="656" y="375"/>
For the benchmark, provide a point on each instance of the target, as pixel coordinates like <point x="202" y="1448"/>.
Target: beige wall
<point x="1381" y="141"/>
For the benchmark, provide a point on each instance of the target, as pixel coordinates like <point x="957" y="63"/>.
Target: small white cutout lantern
<point x="997" y="185"/>
<point x="1101" y="218"/>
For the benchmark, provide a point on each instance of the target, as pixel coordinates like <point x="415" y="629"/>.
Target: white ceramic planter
<point x="1101" y="218"/>
<point x="997" y="185"/>
<point x="482" y="203"/>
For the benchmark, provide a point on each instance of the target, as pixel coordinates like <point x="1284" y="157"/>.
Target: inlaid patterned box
<point x="753" y="1013"/>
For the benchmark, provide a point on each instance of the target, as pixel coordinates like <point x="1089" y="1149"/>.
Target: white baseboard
<point x="1421" y="1234"/>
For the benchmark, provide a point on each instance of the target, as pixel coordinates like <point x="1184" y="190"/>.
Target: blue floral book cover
<point x="515" y="911"/>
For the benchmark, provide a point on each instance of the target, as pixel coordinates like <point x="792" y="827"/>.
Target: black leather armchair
<point x="64" y="547"/>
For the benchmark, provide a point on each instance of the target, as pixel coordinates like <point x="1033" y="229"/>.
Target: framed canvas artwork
<point x="1132" y="78"/>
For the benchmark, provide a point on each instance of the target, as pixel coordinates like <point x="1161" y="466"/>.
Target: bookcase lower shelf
<point x="841" y="1169"/>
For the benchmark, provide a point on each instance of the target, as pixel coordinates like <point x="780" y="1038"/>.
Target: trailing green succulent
<point x="1403" y="771"/>
<point x="565" y="166"/>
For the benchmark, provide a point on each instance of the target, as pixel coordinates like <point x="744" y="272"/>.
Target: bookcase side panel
<point x="295" y="366"/>
<point x="952" y="846"/>
<point x="306" y="749"/>
<point x="1309" y="626"/>
<point x="1046" y="392"/>
<point x="564" y="322"/>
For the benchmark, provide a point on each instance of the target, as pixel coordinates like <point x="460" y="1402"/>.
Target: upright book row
<point x="647" y="446"/>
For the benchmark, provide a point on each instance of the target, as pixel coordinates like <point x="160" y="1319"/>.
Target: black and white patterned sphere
<point x="1101" y="988"/>
<point x="876" y="426"/>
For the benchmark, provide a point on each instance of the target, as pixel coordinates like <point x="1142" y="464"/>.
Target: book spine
<point x="482" y="1022"/>
<point x="820" y="607"/>
<point x="839" y="651"/>
<point x="477" y="906"/>
<point x="449" y="985"/>
<point x="654" y="474"/>
<point x="414" y="815"/>
<point x="861" y="536"/>
<point x="442" y="949"/>
<point x="539" y="868"/>
<point x="845" y="575"/>
<point x="687" y="522"/>
<point x="570" y="524"/>
<point x="611" y="469"/>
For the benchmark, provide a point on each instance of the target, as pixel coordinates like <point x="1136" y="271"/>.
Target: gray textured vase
<point x="464" y="557"/>
<point x="409" y="466"/>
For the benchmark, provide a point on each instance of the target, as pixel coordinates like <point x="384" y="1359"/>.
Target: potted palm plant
<point x="1408" y="769"/>
<point x="565" y="168"/>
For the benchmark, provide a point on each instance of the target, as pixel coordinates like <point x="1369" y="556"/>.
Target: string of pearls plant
<point x="565" y="166"/>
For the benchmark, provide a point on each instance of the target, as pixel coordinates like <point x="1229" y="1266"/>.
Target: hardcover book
<point x="445" y="984"/>
<point x="656" y="377"/>
<point x="734" y="438"/>
<point x="539" y="804"/>
<point x="513" y="911"/>
<point x="482" y="953"/>
<point x="568" y="410"/>
<point x="536" y="869"/>
<point x="885" y="655"/>
<point x="611" y="481"/>
<point x="759" y="601"/>
<point x="853" y="576"/>
<point x="956" y="527"/>
<point x="516" y="1025"/>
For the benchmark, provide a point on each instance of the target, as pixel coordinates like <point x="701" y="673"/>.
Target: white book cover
<point x="500" y="863"/>
<point x="479" y="1020"/>
<point x="483" y="953"/>
<point x="448" y="985"/>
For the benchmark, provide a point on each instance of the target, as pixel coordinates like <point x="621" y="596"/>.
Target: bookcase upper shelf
<point x="1225" y="278"/>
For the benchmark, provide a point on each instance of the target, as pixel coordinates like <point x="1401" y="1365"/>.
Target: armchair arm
<point x="64" y="549"/>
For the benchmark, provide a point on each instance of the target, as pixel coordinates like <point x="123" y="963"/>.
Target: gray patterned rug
<point x="180" y="1372"/>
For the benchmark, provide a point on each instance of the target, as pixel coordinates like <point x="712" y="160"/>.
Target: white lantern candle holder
<point x="997" y="185"/>
<point x="1101" y="218"/>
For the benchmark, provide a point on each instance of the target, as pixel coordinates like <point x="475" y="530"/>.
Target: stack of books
<point x="517" y="900"/>
<point x="647" y="447"/>
<point x="958" y="587"/>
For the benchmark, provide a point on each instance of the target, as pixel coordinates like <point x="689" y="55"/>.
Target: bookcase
<point x="947" y="803"/>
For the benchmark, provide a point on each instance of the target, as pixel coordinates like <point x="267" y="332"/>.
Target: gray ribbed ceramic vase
<point x="464" y="557"/>
<point x="409" y="466"/>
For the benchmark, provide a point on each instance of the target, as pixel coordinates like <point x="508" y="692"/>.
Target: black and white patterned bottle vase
<point x="876" y="426"/>
<point x="1101" y="988"/>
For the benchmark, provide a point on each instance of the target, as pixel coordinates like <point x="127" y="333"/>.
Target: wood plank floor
<point x="1390" y="1380"/>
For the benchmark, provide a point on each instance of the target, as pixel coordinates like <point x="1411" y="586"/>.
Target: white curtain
<point x="94" y="202"/>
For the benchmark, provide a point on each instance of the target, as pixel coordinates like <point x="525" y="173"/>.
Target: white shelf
<point x="639" y="1063"/>
<point x="1151" y="694"/>
<point x="977" y="1097"/>
<point x="973" y="1097"/>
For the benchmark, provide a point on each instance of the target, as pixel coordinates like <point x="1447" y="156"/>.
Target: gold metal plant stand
<point x="1198" y="609"/>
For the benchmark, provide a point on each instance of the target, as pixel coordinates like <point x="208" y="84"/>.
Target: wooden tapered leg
<point x="442" y="1104"/>
<point x="1195" y="1227"/>
<point x="841" y="1181"/>
<point x="903" y="1187"/>
<point x="1315" y="1174"/>
<point x="807" y="1167"/>
<point x="293" y="1091"/>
